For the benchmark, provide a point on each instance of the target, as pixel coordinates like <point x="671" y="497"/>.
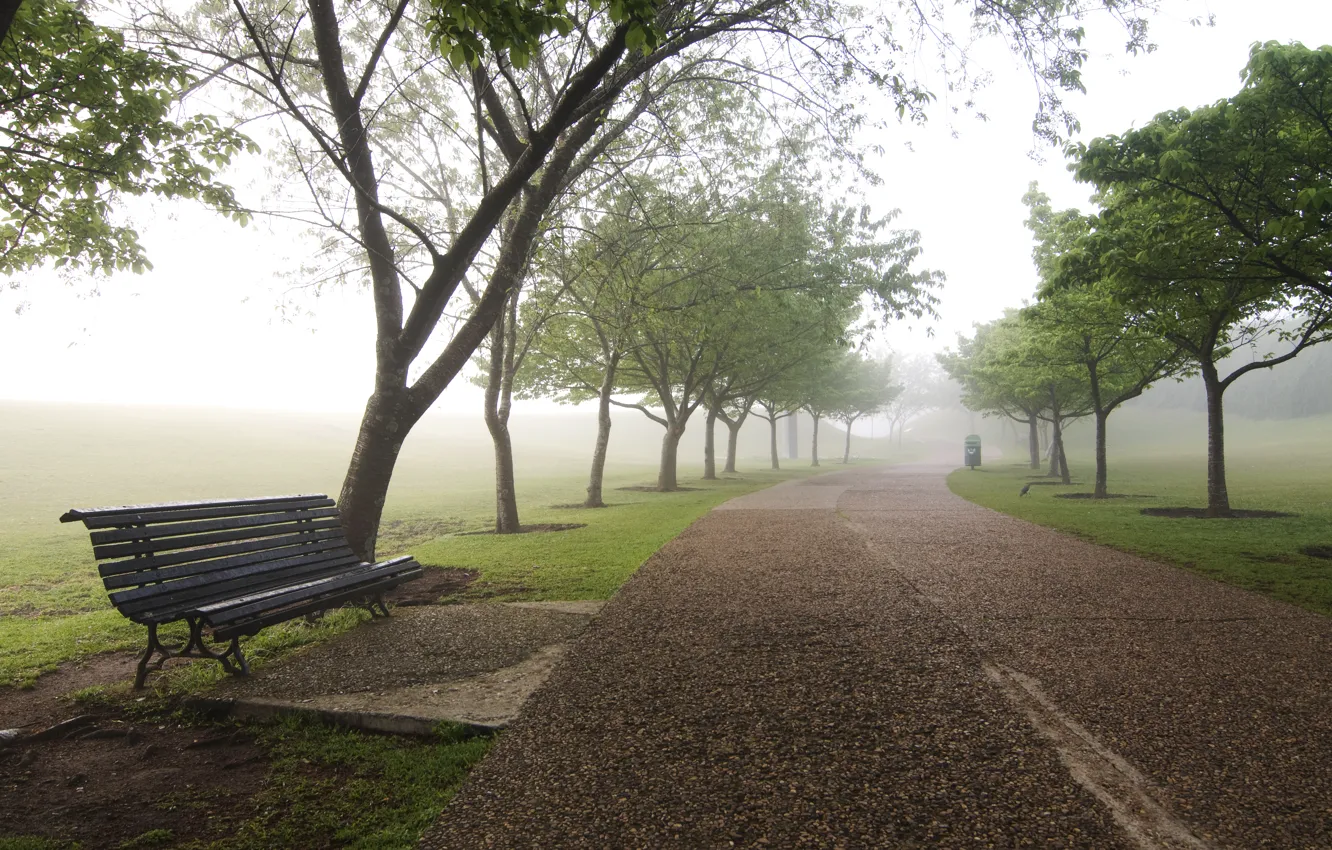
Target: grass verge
<point x="338" y="788"/>
<point x="1263" y="555"/>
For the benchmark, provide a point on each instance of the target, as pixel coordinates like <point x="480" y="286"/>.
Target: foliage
<point x="1256" y="168"/>
<point x="461" y="30"/>
<point x="85" y="120"/>
<point x="1080" y="328"/>
<point x="1187" y="277"/>
<point x="984" y="366"/>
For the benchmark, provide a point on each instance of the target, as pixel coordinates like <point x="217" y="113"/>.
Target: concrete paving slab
<point x="469" y="664"/>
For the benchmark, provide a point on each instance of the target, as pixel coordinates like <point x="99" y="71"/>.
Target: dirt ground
<point x="99" y="775"/>
<point x="104" y="772"/>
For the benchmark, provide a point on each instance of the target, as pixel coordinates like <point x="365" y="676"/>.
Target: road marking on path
<point x="1112" y="780"/>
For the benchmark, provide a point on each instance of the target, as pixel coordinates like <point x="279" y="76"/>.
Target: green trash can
<point x="972" y="451"/>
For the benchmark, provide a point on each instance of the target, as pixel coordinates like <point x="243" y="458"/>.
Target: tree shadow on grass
<point x="1201" y="513"/>
<point x="1094" y="497"/>
<point x="537" y="528"/>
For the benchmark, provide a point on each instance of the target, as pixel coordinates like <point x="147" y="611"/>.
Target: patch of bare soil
<point x="47" y="702"/>
<point x="399" y="535"/>
<point x="537" y="528"/>
<point x="105" y="777"/>
<point x="578" y="506"/>
<point x="436" y="583"/>
<point x="1201" y="513"/>
<point x="1106" y="496"/>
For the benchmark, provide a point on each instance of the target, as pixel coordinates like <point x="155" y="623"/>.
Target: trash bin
<point x="972" y="451"/>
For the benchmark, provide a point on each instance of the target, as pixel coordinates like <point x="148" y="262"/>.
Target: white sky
<point x="203" y="328"/>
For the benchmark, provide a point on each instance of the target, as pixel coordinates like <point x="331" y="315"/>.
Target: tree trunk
<point x="499" y="399"/>
<point x="1099" y="491"/>
<point x="814" y="444"/>
<point x="1218" y="498"/>
<point x="1063" y="459"/>
<point x="846" y="453"/>
<point x="387" y="419"/>
<point x="670" y="444"/>
<point x="773" y="422"/>
<point x="1034" y="441"/>
<point x="594" y="480"/>
<point x="1055" y="434"/>
<point x="710" y="446"/>
<point x="733" y="440"/>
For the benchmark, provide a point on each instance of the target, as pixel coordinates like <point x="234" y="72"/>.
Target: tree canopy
<point x="86" y="119"/>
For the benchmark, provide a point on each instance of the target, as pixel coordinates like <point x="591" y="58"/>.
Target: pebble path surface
<point x="865" y="660"/>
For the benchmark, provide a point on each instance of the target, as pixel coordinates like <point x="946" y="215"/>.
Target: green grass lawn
<point x="1276" y="467"/>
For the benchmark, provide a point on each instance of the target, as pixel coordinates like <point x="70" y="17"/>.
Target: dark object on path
<point x="231" y="566"/>
<point x="1025" y="488"/>
<point x="1201" y="513"/>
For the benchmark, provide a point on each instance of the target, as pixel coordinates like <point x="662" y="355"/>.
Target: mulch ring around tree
<point x="650" y="488"/>
<point x="537" y="528"/>
<point x="1042" y="481"/>
<point x="1106" y="496"/>
<point x="1201" y="513"/>
<point x="1318" y="550"/>
<point x="434" y="584"/>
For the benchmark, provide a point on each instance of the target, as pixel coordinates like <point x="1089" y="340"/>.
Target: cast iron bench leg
<point x="193" y="648"/>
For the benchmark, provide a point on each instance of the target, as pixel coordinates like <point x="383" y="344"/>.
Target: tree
<point x="869" y="387"/>
<point x="924" y="388"/>
<point x="1188" y="282"/>
<point x="1079" y="324"/>
<point x="1257" y="165"/>
<point x="597" y="268"/>
<point x="86" y="120"/>
<point x="982" y="366"/>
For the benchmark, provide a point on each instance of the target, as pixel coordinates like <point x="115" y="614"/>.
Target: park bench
<point x="229" y="568"/>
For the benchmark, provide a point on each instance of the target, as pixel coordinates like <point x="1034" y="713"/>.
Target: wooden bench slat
<point x="253" y="625"/>
<point x="109" y="516"/>
<point x="121" y="521"/>
<point x="284" y="557"/>
<point x="229" y="611"/>
<point x="208" y="538"/>
<point x="189" y="556"/>
<point x="262" y="571"/>
<point x="168" y="607"/>
<point x="153" y="532"/>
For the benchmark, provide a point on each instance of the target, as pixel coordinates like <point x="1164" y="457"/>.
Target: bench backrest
<point x="160" y="560"/>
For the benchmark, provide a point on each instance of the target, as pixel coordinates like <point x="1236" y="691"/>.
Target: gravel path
<point x="865" y="660"/>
